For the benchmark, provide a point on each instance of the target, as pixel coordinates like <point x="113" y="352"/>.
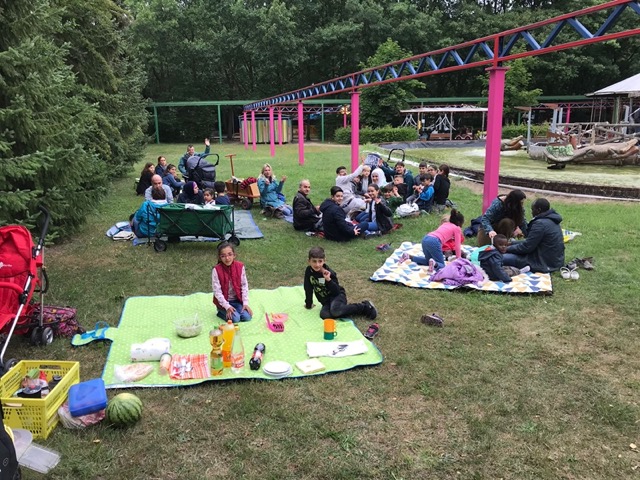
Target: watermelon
<point x="124" y="409"/>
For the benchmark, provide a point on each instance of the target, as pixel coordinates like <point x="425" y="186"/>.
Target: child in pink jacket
<point x="432" y="242"/>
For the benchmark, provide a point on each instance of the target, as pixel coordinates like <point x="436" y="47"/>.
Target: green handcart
<point x="177" y="219"/>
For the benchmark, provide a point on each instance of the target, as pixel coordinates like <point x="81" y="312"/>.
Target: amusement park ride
<point x="443" y="127"/>
<point x="491" y="52"/>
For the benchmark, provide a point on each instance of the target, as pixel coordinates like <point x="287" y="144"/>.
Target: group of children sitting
<point x="231" y="288"/>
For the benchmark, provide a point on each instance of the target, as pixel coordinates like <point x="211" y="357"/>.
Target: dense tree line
<point x="245" y="50"/>
<point x="71" y="110"/>
<point x="74" y="74"/>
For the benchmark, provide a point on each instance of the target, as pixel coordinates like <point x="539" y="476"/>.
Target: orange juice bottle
<point x="228" y="332"/>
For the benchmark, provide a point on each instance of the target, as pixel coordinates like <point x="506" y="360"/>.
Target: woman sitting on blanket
<point x="432" y="243"/>
<point x="191" y="194"/>
<point x="505" y="215"/>
<point x="270" y="191"/>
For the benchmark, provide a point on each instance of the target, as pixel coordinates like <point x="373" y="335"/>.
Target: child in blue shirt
<point x="425" y="198"/>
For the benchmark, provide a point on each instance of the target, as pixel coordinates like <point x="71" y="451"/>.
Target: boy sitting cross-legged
<point x="321" y="280"/>
<point x="492" y="262"/>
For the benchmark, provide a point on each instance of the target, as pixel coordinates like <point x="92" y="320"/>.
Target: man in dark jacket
<point x="543" y="249"/>
<point x="334" y="220"/>
<point x="305" y="214"/>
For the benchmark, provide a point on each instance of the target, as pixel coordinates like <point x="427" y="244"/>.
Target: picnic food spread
<point x="227" y="352"/>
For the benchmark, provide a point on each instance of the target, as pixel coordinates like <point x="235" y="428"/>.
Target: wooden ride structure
<point x="594" y="143"/>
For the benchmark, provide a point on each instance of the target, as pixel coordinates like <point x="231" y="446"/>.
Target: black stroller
<point x="202" y="171"/>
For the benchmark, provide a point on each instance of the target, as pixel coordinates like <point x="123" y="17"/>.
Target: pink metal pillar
<point x="245" y="129"/>
<point x="300" y="134"/>
<point x="280" y="127"/>
<point x="272" y="133"/>
<point x="494" y="134"/>
<point x="254" y="133"/>
<point x="344" y="118"/>
<point x="355" y="129"/>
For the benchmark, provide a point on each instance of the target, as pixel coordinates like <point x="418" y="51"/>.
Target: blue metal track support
<point x="480" y="52"/>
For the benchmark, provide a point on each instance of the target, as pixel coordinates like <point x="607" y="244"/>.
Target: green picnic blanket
<point x="144" y="318"/>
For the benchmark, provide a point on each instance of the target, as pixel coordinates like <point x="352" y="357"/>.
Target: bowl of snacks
<point x="188" y="327"/>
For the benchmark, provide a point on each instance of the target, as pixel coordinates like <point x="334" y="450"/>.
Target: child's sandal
<point x="372" y="331"/>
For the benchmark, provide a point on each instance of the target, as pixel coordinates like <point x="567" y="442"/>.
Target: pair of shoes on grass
<point x="569" y="273"/>
<point x="586" y="263"/>
<point x="434" y="320"/>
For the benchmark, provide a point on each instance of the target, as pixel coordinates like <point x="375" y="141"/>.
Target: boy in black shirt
<point x="321" y="280"/>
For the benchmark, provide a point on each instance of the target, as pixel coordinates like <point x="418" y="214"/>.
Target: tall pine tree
<point x="65" y="128"/>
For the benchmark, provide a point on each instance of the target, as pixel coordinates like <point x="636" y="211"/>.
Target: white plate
<point x="277" y="368"/>
<point x="281" y="375"/>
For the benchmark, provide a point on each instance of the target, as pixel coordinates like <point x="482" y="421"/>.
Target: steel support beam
<point x="300" y="134"/>
<point x="355" y="129"/>
<point x="494" y="134"/>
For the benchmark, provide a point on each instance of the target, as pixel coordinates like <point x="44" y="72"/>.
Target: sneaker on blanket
<point x="432" y="266"/>
<point x="525" y="269"/>
<point x="404" y="257"/>
<point x="370" y="310"/>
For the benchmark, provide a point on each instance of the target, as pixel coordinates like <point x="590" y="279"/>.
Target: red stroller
<point x="21" y="274"/>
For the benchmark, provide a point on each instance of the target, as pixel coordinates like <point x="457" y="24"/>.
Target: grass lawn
<point x="514" y="387"/>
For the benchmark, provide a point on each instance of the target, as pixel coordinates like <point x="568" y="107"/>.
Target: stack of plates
<point x="277" y="369"/>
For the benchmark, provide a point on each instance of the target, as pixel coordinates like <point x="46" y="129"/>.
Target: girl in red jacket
<point x="230" y="286"/>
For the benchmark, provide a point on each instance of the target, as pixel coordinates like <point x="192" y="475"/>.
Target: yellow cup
<point x="330" y="329"/>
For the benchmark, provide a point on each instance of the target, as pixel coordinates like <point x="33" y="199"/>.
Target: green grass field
<point x="513" y="387"/>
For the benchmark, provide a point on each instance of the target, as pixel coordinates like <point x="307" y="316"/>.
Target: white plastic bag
<point x="133" y="372"/>
<point x="407" y="210"/>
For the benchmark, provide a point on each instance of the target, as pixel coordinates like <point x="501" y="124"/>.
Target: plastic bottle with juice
<point x="237" y="353"/>
<point x="228" y="331"/>
<point x="215" y="360"/>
